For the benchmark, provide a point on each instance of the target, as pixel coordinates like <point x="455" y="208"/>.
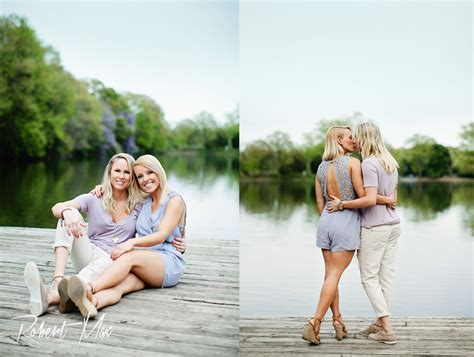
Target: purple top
<point x="375" y="176"/>
<point x="101" y="228"/>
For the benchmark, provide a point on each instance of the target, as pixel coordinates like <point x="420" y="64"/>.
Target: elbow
<point x="372" y="201"/>
<point x="54" y="210"/>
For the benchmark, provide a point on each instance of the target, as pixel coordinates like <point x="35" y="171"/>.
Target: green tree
<point x="186" y="136"/>
<point x="122" y="131"/>
<point x="439" y="163"/>
<point x="231" y="129"/>
<point x="467" y="137"/>
<point x="463" y="156"/>
<point x="152" y="132"/>
<point x="258" y="159"/>
<point x="35" y="94"/>
<point x="116" y="102"/>
<point x="85" y="128"/>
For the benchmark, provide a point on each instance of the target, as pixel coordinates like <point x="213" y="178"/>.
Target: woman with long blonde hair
<point x="338" y="235"/>
<point x="111" y="220"/>
<point x="380" y="228"/>
<point x="159" y="264"/>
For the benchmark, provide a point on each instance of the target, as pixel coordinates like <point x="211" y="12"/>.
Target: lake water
<point x="281" y="269"/>
<point x="208" y="184"/>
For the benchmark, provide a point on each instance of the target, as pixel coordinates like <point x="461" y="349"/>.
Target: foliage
<point x="46" y="113"/>
<point x="422" y="156"/>
<point x="36" y="99"/>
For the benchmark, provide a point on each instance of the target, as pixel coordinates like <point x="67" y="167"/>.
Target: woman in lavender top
<point x="160" y="264"/>
<point x="338" y="235"/>
<point x="380" y="229"/>
<point x="112" y="219"/>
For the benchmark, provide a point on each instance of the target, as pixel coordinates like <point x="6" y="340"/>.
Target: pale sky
<point x="184" y="55"/>
<point x="406" y="65"/>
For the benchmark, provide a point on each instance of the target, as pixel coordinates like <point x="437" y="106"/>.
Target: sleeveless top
<point x="341" y="166"/>
<point x="148" y="222"/>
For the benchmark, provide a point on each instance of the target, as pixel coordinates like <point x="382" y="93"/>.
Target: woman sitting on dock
<point x="160" y="264"/>
<point x="338" y="235"/>
<point x="112" y="219"/>
<point x="380" y="229"/>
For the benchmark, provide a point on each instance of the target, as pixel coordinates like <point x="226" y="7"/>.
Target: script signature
<point x="35" y="332"/>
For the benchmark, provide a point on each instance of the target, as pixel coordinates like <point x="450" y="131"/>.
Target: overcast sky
<point x="406" y="65"/>
<point x="185" y="55"/>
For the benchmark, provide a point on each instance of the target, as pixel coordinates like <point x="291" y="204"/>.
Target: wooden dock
<point x="415" y="336"/>
<point x="199" y="316"/>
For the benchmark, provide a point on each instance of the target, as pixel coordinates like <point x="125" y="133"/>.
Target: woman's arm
<point x="319" y="197"/>
<point x="69" y="211"/>
<point x="369" y="200"/>
<point x="173" y="213"/>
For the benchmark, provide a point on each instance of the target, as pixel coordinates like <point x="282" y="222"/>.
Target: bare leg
<point x="145" y="264"/>
<point x="338" y="263"/>
<point x="61" y="254"/>
<point x="113" y="295"/>
<point x="385" y="323"/>
<point x="335" y="303"/>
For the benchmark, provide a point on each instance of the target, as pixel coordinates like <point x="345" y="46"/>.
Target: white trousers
<point x="376" y="257"/>
<point x="88" y="259"/>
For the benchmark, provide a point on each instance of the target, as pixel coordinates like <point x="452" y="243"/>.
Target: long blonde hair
<point x="134" y="194"/>
<point x="371" y="144"/>
<point x="332" y="149"/>
<point x="153" y="164"/>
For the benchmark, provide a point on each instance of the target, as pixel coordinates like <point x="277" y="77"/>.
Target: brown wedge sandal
<point x="77" y="291"/>
<point x="340" y="328"/>
<point x="311" y="331"/>
<point x="65" y="302"/>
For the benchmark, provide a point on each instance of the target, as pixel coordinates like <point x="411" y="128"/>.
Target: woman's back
<point x="337" y="231"/>
<point x="335" y="179"/>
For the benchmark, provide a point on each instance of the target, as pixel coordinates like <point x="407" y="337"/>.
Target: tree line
<point x="421" y="156"/>
<point x="47" y="113"/>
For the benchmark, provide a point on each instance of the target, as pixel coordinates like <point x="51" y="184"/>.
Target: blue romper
<point x="148" y="223"/>
<point x="340" y="230"/>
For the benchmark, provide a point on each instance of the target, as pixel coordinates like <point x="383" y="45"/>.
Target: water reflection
<point x="203" y="170"/>
<point x="30" y="191"/>
<point x="422" y="201"/>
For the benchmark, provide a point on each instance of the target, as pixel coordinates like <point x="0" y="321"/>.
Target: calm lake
<point x="208" y="184"/>
<point x="281" y="269"/>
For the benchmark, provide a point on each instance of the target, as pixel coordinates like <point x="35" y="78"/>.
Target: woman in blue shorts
<point x="338" y="234"/>
<point x="158" y="263"/>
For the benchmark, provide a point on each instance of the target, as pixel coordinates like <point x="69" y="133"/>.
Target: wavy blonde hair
<point x="153" y="164"/>
<point x="134" y="194"/>
<point x="332" y="148"/>
<point x="371" y="144"/>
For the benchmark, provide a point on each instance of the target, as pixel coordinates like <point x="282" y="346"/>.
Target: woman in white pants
<point x="380" y="228"/>
<point x="112" y="220"/>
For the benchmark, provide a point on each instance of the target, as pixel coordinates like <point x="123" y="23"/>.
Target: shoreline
<point x="405" y="179"/>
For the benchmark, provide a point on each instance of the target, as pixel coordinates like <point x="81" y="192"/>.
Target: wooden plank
<point x="261" y="336"/>
<point x="197" y="317"/>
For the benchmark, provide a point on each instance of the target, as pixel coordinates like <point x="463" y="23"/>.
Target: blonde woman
<point x="112" y="219"/>
<point x="338" y="235"/>
<point x="380" y="228"/>
<point x="160" y="264"/>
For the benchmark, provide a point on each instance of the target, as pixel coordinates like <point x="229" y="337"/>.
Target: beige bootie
<point x="38" y="291"/>
<point x="77" y="291"/>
